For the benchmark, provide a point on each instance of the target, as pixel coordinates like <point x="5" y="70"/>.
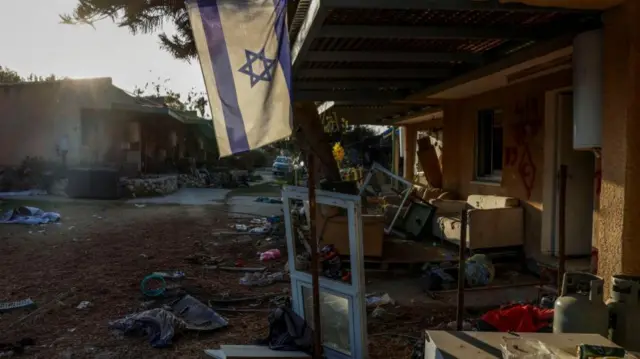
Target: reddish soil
<point x="100" y="253"/>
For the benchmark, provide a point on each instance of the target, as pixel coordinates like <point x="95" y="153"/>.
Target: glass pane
<point x="334" y="311"/>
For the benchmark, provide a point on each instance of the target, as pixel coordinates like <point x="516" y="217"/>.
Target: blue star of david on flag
<point x="268" y="67"/>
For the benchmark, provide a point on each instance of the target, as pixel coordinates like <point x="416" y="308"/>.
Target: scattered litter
<point x="160" y="285"/>
<point x="516" y="318"/>
<point x="170" y="274"/>
<point x="6" y="307"/>
<point x="466" y="326"/>
<point x="28" y="215"/>
<point x="71" y="330"/>
<point x="160" y="325"/>
<point x="268" y="200"/>
<point x="436" y="278"/>
<point x="84" y="305"/>
<point x="378" y="313"/>
<point x="479" y="270"/>
<point x="243" y="269"/>
<point x="242" y="227"/>
<point x="288" y="332"/>
<point x="140" y="205"/>
<point x="261" y="279"/>
<point x="270" y="255"/>
<point x="378" y="300"/>
<point x="261" y="230"/>
<point x="71" y="227"/>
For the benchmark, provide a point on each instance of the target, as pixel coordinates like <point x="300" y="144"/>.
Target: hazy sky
<point x="32" y="40"/>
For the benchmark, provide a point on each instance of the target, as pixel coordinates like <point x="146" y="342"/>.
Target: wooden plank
<point x="429" y="32"/>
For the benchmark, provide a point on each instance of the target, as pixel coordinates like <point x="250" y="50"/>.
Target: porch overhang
<point x="379" y="60"/>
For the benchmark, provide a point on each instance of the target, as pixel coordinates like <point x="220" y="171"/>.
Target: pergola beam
<point x="375" y="73"/>
<point x="350" y="96"/>
<point x="451" y="5"/>
<point x="359" y="85"/>
<point x="428" y="32"/>
<point x="413" y="57"/>
<point x="310" y="28"/>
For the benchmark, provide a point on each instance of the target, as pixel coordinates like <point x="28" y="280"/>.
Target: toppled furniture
<point x="493" y="221"/>
<point x="334" y="229"/>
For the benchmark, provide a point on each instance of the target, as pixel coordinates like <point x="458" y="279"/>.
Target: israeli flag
<point x="243" y="48"/>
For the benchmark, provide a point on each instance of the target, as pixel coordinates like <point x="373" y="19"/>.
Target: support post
<point x="315" y="280"/>
<point x="562" y="200"/>
<point x="461" y="269"/>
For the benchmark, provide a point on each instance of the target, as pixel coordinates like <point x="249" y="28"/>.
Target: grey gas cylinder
<point x="624" y="311"/>
<point x="580" y="308"/>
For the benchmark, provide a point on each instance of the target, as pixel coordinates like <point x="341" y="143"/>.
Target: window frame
<point x="492" y="175"/>
<point x="354" y="291"/>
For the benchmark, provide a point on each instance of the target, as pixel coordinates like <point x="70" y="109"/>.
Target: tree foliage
<point x="8" y="76"/>
<point x="141" y="16"/>
<point x="194" y="101"/>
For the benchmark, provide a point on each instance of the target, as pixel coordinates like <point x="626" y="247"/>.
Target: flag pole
<point x="315" y="279"/>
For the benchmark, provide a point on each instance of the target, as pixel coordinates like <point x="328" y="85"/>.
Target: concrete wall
<point x="34" y="116"/>
<point x="523" y="113"/>
<point x="618" y="218"/>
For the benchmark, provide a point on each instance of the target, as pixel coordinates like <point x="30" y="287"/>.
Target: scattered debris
<point x="28" y="215"/>
<point x="271" y="254"/>
<point x="6" y="307"/>
<point x="378" y="300"/>
<point x="243" y="269"/>
<point x="516" y="318"/>
<point x="160" y="325"/>
<point x="153" y="285"/>
<point x="379" y="313"/>
<point x="84" y="305"/>
<point x="268" y="200"/>
<point x="173" y="275"/>
<point x="139" y="205"/>
<point x="479" y="270"/>
<point x="261" y="279"/>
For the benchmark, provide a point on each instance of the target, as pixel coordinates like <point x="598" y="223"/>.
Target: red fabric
<point x="519" y="318"/>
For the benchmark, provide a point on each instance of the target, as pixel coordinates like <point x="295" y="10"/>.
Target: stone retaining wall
<point x="149" y="186"/>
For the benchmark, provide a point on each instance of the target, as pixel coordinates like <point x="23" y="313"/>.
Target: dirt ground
<point x="101" y="252"/>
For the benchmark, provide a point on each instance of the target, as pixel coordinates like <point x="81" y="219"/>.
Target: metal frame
<point x="353" y="292"/>
<point x="378" y="167"/>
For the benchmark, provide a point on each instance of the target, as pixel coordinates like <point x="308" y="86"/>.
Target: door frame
<point x="550" y="170"/>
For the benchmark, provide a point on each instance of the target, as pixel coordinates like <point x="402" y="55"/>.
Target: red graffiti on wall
<point x="526" y="126"/>
<point x="511" y="156"/>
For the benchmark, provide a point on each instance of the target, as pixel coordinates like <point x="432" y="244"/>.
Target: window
<point x="489" y="146"/>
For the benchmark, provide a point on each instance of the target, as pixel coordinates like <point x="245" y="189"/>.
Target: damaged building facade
<point x="510" y="92"/>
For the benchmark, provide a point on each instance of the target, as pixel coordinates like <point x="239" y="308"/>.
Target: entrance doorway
<point x="579" y="198"/>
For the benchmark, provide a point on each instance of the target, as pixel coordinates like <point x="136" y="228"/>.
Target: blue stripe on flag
<point x="284" y="55"/>
<point x="223" y="73"/>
